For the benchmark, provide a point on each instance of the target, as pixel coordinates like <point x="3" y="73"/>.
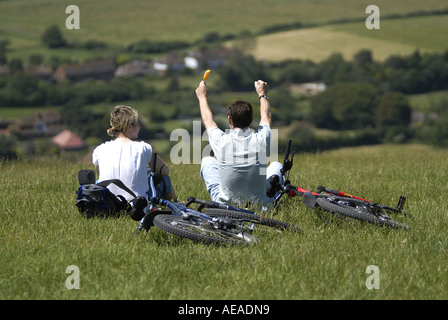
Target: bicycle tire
<point x="362" y="215"/>
<point x="201" y="230"/>
<point x="238" y="215"/>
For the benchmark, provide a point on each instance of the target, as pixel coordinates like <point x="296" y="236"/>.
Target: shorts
<point x="210" y="175"/>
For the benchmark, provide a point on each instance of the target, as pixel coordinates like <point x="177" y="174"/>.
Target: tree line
<point x="362" y="95"/>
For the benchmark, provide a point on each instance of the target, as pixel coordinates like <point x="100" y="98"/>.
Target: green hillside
<point x="396" y="37"/>
<point x="120" y="22"/>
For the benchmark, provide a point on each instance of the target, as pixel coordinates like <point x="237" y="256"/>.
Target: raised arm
<point x="206" y="112"/>
<point x="261" y="88"/>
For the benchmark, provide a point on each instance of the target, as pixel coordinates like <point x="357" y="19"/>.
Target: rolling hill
<point x="396" y="37"/>
<point x="119" y="23"/>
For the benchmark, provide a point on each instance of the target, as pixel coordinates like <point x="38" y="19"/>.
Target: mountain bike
<point x="247" y="216"/>
<point x="214" y="228"/>
<point x="333" y="201"/>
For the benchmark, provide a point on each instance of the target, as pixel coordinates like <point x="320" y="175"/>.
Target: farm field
<point x="43" y="234"/>
<point x="396" y="37"/>
<point x="428" y="102"/>
<point x="118" y="23"/>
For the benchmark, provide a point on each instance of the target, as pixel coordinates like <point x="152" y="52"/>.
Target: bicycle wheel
<point x="359" y="210"/>
<point x="251" y="218"/>
<point x="202" y="230"/>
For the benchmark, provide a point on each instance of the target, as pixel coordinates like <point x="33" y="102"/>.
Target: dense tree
<point x="53" y="38"/>
<point x="284" y="107"/>
<point x="345" y="106"/>
<point x="335" y="69"/>
<point x="80" y="119"/>
<point x="297" y="71"/>
<point x="3" y="50"/>
<point x="240" y="70"/>
<point x="394" y="110"/>
<point x="7" y="146"/>
<point x="15" y="65"/>
<point x="35" y="59"/>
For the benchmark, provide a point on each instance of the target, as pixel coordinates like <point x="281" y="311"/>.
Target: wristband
<point x="263" y="96"/>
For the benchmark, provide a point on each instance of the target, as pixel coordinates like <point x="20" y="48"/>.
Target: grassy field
<point x="396" y="37"/>
<point x="42" y="234"/>
<point x="428" y="102"/>
<point x="119" y="23"/>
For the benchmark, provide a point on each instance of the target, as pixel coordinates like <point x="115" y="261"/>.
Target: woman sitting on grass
<point x="128" y="160"/>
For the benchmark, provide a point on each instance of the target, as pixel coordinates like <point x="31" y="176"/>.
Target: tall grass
<point x="42" y="234"/>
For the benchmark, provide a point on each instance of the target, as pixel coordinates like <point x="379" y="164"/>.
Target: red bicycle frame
<point x="293" y="191"/>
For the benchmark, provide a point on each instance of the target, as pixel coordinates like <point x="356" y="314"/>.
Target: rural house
<point x="4" y="127"/>
<point x="97" y="69"/>
<point x="134" y="68"/>
<point x="207" y="58"/>
<point x="4" y="70"/>
<point x="45" y="124"/>
<point x="170" y="61"/>
<point x="68" y="141"/>
<point x="42" y="71"/>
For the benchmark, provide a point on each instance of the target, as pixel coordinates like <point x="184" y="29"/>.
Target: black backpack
<point x="95" y="199"/>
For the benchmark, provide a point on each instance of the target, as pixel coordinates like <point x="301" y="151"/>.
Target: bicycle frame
<point x="308" y="196"/>
<point x="212" y="204"/>
<point x="175" y="207"/>
<point x="179" y="209"/>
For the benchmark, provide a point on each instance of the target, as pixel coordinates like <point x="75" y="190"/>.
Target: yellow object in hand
<point x="206" y="73"/>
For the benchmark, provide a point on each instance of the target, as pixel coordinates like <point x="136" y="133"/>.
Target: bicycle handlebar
<point x="274" y="181"/>
<point x="287" y="164"/>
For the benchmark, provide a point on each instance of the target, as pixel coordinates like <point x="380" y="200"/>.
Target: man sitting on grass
<point x="237" y="173"/>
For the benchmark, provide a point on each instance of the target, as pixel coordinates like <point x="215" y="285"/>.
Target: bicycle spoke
<point x="360" y="210"/>
<point x="202" y="230"/>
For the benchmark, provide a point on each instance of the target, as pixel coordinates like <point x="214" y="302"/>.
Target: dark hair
<point x="240" y="112"/>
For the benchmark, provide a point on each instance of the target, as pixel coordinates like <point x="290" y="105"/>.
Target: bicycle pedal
<point x="401" y="203"/>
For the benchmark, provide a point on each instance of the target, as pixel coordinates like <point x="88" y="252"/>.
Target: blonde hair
<point x="121" y="120"/>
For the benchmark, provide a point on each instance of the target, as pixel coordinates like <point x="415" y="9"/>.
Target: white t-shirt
<point x="127" y="162"/>
<point x="242" y="156"/>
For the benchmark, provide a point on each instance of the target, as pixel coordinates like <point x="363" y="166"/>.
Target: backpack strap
<point x="89" y="177"/>
<point x="118" y="183"/>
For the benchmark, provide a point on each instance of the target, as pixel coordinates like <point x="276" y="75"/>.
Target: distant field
<point x="120" y="22"/>
<point x="397" y="36"/>
<point x="426" y="102"/>
<point x="421" y="32"/>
